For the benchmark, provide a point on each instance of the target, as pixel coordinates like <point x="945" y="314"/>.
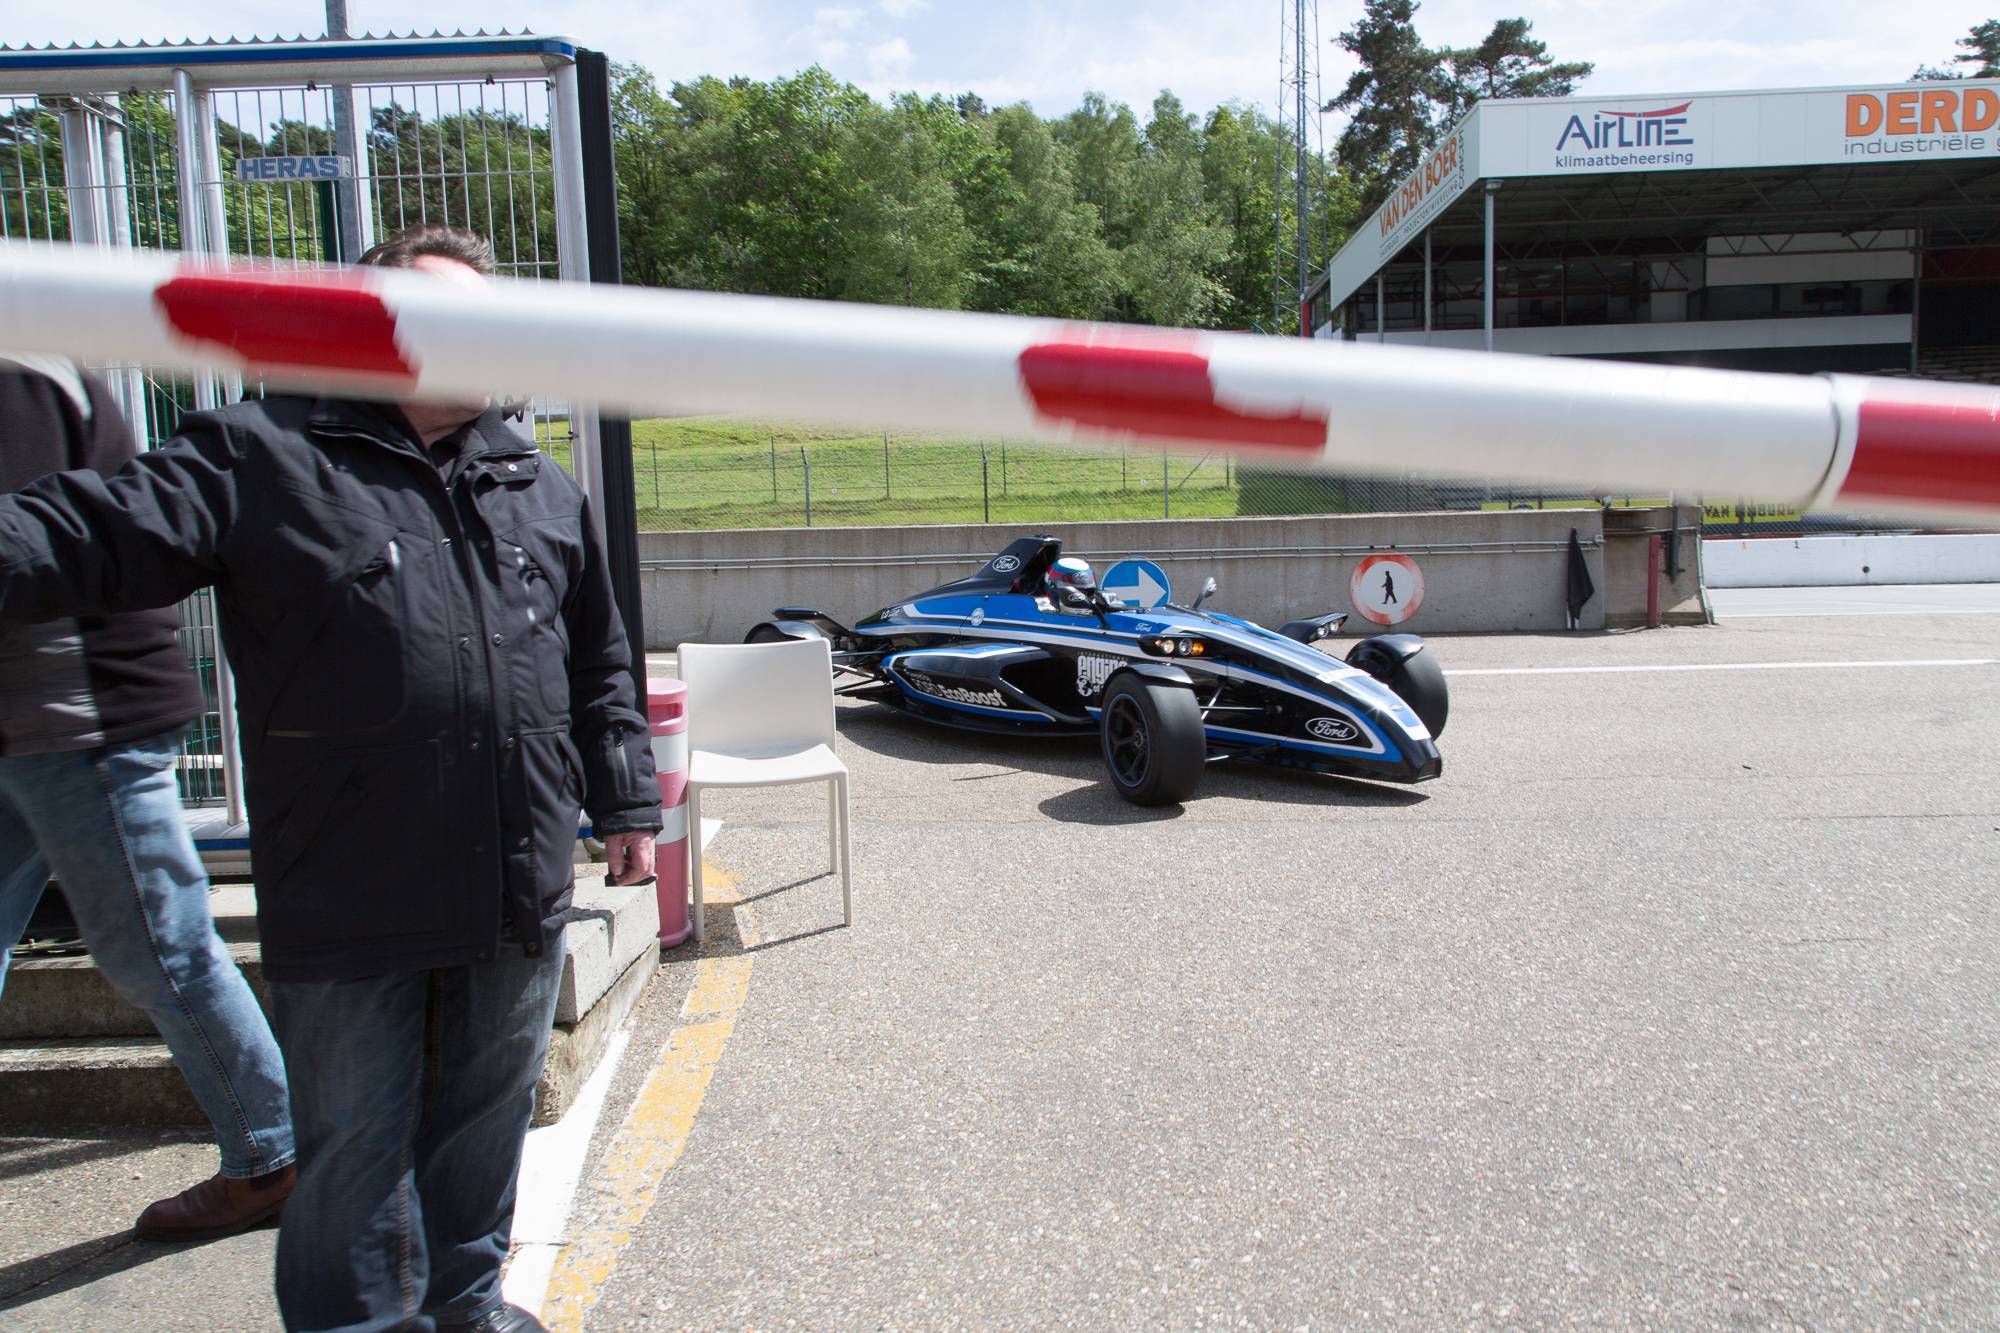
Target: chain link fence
<point x="696" y="474"/>
<point x="701" y="474"/>
<point x="474" y="153"/>
<point x="728" y="476"/>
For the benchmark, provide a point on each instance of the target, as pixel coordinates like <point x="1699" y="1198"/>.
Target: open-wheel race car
<point x="1030" y="644"/>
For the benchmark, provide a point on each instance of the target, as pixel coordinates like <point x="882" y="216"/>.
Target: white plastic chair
<point x="761" y="715"/>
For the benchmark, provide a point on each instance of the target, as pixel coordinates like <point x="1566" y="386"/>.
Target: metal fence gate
<point x="186" y="148"/>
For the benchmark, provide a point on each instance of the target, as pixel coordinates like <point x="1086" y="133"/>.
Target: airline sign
<point x="1612" y="139"/>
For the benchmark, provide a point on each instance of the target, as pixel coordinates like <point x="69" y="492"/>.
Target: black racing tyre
<point x="1418" y="681"/>
<point x="1154" y="746"/>
<point x="766" y="634"/>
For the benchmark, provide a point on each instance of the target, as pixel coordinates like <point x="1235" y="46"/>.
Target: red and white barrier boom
<point x="1811" y="441"/>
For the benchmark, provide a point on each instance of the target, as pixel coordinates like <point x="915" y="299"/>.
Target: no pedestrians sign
<point x="1387" y="589"/>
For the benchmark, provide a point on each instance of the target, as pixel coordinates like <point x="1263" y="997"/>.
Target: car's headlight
<point x="1173" y="645"/>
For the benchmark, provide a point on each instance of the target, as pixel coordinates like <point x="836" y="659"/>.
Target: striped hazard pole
<point x="1819" y="442"/>
<point x="666" y="709"/>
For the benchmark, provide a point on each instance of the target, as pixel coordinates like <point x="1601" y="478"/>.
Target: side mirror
<point x="1207" y="587"/>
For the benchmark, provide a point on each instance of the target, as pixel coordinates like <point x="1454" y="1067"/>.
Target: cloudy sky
<point x="1049" y="52"/>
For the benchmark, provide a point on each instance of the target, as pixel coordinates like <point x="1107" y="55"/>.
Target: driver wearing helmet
<point x="1067" y="573"/>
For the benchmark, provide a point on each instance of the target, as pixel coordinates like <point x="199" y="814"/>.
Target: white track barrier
<point x="1842" y="442"/>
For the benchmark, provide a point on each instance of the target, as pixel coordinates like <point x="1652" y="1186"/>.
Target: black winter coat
<point x="79" y="682"/>
<point x="431" y="673"/>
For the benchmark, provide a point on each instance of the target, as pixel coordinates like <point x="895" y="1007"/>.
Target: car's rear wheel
<point x="1154" y="748"/>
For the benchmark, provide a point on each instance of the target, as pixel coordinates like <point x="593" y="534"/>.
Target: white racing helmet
<point x="1071" y="572"/>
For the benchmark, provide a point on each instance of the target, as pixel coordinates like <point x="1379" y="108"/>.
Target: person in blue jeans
<point x="91" y="711"/>
<point x="433" y="681"/>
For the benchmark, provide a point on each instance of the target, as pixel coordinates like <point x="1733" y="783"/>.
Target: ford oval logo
<point x="1006" y="564"/>
<point x="1333" y="729"/>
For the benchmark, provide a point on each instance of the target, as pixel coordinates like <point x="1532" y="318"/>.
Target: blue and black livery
<point x="1028" y="645"/>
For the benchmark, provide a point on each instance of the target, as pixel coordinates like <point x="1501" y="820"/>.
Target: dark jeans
<point x="411" y="1094"/>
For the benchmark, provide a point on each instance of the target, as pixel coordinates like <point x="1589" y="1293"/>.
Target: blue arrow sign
<point x="1137" y="583"/>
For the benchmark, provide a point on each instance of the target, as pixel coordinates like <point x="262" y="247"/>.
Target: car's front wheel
<point x="1153" y="742"/>
<point x="1411" y="670"/>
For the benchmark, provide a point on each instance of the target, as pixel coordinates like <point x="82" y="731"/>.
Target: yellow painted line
<point x="720" y="985"/>
<point x="717" y="884"/>
<point x="656" y="1129"/>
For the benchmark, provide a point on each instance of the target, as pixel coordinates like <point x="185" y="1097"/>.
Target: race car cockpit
<point x="1022" y="568"/>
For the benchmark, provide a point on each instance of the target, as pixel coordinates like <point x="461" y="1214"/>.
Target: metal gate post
<point x="83" y="171"/>
<point x="94" y="174"/>
<point x="93" y="152"/>
<point x="354" y="221"/>
<point x="573" y="262"/>
<point x="197" y="236"/>
<point x="214" y="211"/>
<point x="187" y="175"/>
<point x="618" y="506"/>
<point x="356" y="192"/>
<point x="128" y="383"/>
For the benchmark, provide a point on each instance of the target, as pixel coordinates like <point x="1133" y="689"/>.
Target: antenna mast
<point x="1298" y="102"/>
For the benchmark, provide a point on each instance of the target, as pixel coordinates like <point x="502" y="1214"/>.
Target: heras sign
<point x="321" y="167"/>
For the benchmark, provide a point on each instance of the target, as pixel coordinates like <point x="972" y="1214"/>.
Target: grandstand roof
<point x="1663" y="174"/>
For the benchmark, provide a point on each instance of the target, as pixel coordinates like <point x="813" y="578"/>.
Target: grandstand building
<point x="1826" y="229"/>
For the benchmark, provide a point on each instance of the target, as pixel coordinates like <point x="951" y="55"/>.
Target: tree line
<point x="806" y="186"/>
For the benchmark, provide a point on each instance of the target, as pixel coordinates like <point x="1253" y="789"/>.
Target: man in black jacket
<point x="431" y="677"/>
<point x="91" y="712"/>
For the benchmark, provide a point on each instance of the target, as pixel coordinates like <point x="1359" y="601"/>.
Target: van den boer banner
<point x="1425" y="192"/>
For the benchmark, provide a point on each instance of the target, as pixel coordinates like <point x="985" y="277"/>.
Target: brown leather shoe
<point x="219" y="1206"/>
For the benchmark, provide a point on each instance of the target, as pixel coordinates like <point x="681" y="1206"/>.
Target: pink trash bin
<point x="666" y="709"/>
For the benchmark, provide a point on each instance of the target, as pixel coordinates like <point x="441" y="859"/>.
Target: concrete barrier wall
<point x="1482" y="571"/>
<point x="1816" y="562"/>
